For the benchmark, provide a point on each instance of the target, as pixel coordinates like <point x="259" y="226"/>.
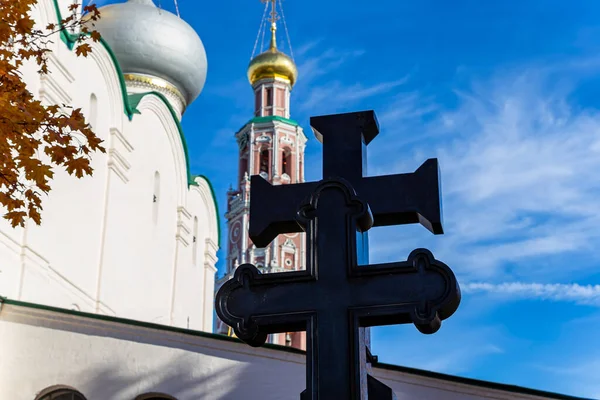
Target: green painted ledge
<point x="406" y="370"/>
<point x="130" y="103"/>
<point x="270" y="118"/>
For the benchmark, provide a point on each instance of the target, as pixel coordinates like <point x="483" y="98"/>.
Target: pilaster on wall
<point x="184" y="231"/>
<point x="119" y="151"/>
<point x="210" y="255"/>
<point x="55" y="87"/>
<point x="210" y="270"/>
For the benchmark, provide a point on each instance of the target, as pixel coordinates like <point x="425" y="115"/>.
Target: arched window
<point x="60" y="393"/>
<point x="93" y="116"/>
<point x="286" y="163"/>
<point x="269" y="101"/>
<point x="264" y="162"/>
<point x="195" y="240"/>
<point x="156" y="196"/>
<point x="155" y="396"/>
<point x="243" y="167"/>
<point x="257" y="102"/>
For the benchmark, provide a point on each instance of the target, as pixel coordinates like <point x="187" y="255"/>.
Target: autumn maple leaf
<point x="29" y="128"/>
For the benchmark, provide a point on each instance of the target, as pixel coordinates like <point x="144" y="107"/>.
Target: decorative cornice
<point x="51" y="92"/>
<point x="268" y="77"/>
<point x="268" y="119"/>
<point x="183" y="229"/>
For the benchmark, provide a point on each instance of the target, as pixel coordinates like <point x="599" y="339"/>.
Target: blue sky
<point x="505" y="94"/>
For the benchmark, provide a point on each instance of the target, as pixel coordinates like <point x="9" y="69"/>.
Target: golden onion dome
<point x="272" y="64"/>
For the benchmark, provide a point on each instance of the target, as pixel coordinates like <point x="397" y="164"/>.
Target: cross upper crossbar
<point x="393" y="199"/>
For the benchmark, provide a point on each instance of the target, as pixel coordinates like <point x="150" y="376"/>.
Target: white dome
<point x="151" y="42"/>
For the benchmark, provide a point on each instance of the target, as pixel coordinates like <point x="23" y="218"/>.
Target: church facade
<point x="139" y="238"/>
<point x="111" y="298"/>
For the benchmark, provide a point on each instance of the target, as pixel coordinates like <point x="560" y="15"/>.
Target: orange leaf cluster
<point x="29" y="128"/>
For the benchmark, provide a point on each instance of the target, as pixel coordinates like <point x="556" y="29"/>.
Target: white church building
<point x="111" y="297"/>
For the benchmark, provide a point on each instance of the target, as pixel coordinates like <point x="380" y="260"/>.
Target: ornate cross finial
<point x="273" y="19"/>
<point x="273" y="12"/>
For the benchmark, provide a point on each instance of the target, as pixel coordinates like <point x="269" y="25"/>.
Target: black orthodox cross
<point x="335" y="298"/>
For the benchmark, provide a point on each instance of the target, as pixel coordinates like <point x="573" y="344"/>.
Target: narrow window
<point x="243" y="167"/>
<point x="257" y="102"/>
<point x="93" y="116"/>
<point x="264" y="162"/>
<point x="195" y="240"/>
<point x="269" y="97"/>
<point x="269" y="101"/>
<point x="156" y="197"/>
<point x="286" y="163"/>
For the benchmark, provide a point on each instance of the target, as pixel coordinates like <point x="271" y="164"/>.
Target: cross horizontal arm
<point x="273" y="209"/>
<point x="393" y="200"/>
<point x="409" y="198"/>
<point x="421" y="290"/>
<point x="255" y="304"/>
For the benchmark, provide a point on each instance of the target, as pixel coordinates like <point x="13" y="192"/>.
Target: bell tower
<point x="270" y="145"/>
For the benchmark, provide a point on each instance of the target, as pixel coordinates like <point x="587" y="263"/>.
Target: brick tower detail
<point x="270" y="145"/>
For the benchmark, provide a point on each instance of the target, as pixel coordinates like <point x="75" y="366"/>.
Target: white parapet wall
<point x="107" y="358"/>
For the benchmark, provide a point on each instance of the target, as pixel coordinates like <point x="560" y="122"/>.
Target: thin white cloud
<point x="310" y="67"/>
<point x="334" y="94"/>
<point x="575" y="293"/>
<point x="410" y="106"/>
<point x="306" y="47"/>
<point x="337" y="95"/>
<point x="519" y="166"/>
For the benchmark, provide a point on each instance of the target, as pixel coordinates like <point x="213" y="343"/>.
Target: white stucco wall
<point x="104" y="245"/>
<point x="109" y="360"/>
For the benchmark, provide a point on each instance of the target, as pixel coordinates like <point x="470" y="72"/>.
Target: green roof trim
<point x="135" y="99"/>
<point x="214" y="196"/>
<point x="70" y="39"/>
<point x="130" y="103"/>
<point x="478" y="382"/>
<point x="270" y="118"/>
<point x="407" y="370"/>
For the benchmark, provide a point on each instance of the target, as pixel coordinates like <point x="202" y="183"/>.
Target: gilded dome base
<point x="141" y="83"/>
